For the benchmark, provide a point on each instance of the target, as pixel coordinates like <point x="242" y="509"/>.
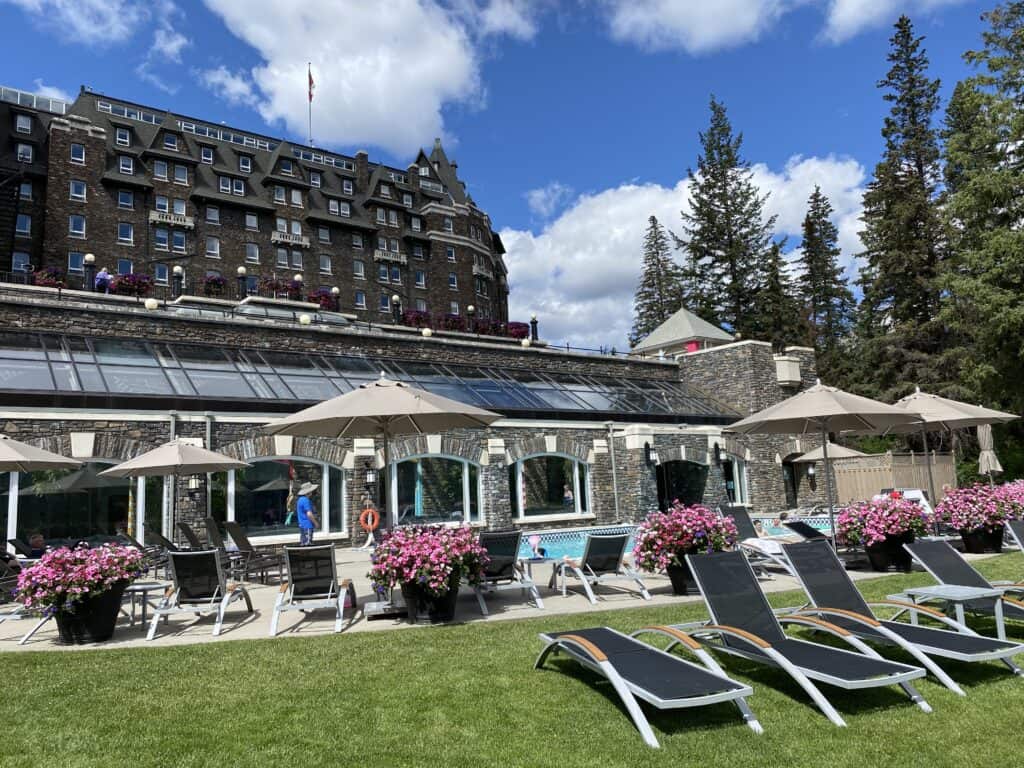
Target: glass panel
<point x="24" y="346"/>
<point x="474" y="493"/>
<point x="430" y="490"/>
<point x="203" y="358"/>
<point x="64" y="374"/>
<point x="336" y="513"/>
<point x="154" y="506"/>
<point x="180" y="382"/>
<point x="681" y="480"/>
<point x="121" y="352"/>
<point x="220" y="383"/>
<point x="90" y="379"/>
<point x="262" y="493"/>
<point x="547" y="485"/>
<point x="309" y="388"/>
<point x="25" y="374"/>
<point x="62" y="507"/>
<point x="135" y="381"/>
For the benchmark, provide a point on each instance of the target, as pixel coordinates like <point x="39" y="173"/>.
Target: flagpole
<point x="309" y="75"/>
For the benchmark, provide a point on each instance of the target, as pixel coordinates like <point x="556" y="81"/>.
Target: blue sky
<point x="572" y="121"/>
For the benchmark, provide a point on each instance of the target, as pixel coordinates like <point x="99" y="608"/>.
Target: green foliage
<point x="660" y="292"/>
<point x="776" y="311"/>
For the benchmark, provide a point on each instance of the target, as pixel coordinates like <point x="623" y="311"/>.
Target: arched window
<point x="549" y="484"/>
<point x="734" y="471"/>
<point x="436" y="489"/>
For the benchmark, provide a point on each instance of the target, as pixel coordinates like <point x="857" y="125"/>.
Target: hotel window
<point x="206" y="155"/>
<point x="449" y="252"/>
<point x="160" y="274"/>
<point x="170" y="141"/>
<point x="25" y="153"/>
<point x="417" y="225"/>
<point x="346" y="186"/>
<point x="357" y="242"/>
<point x="212" y="213"/>
<point x="125" y="199"/>
<point x="424" y="170"/>
<point x="123" y="137"/>
<point x="181" y="174"/>
<point x="179" y="208"/>
<point x="20" y="261"/>
<point x="178" y="242"/>
<point x="124" y="266"/>
<point x="393" y="242"/>
<point x="453" y="308"/>
<point x="392" y="218"/>
<point x="436" y="489"/>
<point x="160" y="169"/>
<point x="297" y="260"/>
<point x="323" y="234"/>
<point x="382" y="243"/>
<point x="76" y="226"/>
<point x="421" y="278"/>
<point x="245" y="164"/>
<point x="252" y="222"/>
<point x="549" y="484"/>
<point x="453" y="280"/>
<point x="421" y="305"/>
<point x="385" y="190"/>
<point x="287" y="168"/>
<point x="239" y="188"/>
<point x="78" y="154"/>
<point x="358" y="270"/>
<point x="279" y="196"/>
<point x="281" y="224"/>
<point x="407" y="200"/>
<point x="282" y="257"/>
<point x="734" y="469"/>
<point x="396" y="275"/>
<point x="297" y="198"/>
<point x="382" y="216"/>
<point x="160" y="239"/>
<point x="225" y="185"/>
<point x="325" y="264"/>
<point x="252" y="253"/>
<point x="385" y="302"/>
<point x="23" y="225"/>
<point x="76" y="261"/>
<point x="77" y="190"/>
<point x="360" y="300"/>
<point x="162" y="204"/>
<point x="25" y="190"/>
<point x="447" y="224"/>
<point x="213" y="247"/>
<point x="314" y="179"/>
<point x="296" y="227"/>
<point x="23" y="123"/>
<point x="126" y="165"/>
<point x="125" y="233"/>
<point x="417" y="251"/>
<point x="382" y="273"/>
<point x="333" y="207"/>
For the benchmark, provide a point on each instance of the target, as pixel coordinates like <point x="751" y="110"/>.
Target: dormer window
<point x="407" y="200"/>
<point x="171" y="142"/>
<point x="123" y="137"/>
<point x="347" y="187"/>
<point x="424" y="170"/>
<point x="279" y="194"/>
<point x="245" y="164"/>
<point x="23" y="123"/>
<point x="287" y="168"/>
<point x="314" y="179"/>
<point x="385" y="190"/>
<point x="206" y="155"/>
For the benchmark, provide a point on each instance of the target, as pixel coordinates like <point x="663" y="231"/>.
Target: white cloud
<point x="847" y="18"/>
<point x="233" y="87"/>
<point x="168" y="43"/>
<point x="580" y="272"/>
<point x="93" y="22"/>
<point x="547" y="200"/>
<point x="514" y="18"/>
<point x="165" y="49"/>
<point x="50" y="91"/>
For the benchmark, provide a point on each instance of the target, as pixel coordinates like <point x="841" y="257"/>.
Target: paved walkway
<point x="353" y="564"/>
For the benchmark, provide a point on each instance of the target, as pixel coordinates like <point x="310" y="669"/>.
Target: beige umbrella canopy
<point x="820" y="409"/>
<point x="382" y="408"/>
<point x="16" y="456"/>
<point x="834" y="452"/>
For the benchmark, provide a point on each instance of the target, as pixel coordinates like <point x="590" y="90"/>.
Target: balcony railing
<point x="390" y="256"/>
<point x="286" y="238"/>
<point x="171" y="219"/>
<point x="480" y="271"/>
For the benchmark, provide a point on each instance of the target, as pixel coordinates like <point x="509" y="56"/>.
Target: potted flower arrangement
<point x="882" y="526"/>
<point x="213" y="285"/>
<point x="979" y="513"/>
<point x="49" y="277"/>
<point x="133" y="284"/>
<point x="427" y="563"/>
<point x="81" y="588"/>
<point x="663" y="539"/>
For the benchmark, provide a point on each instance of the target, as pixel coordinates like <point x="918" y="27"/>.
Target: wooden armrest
<point x="231" y="587"/>
<point x="345" y="584"/>
<point x="1011" y="601"/>
<point x="798" y="619"/>
<point x="869" y="620"/>
<point x="169" y="591"/>
<point x="284" y="587"/>
<point x="910" y="607"/>
<point x="675" y="634"/>
<point x="750" y="637"/>
<point x="570" y="561"/>
<point x="596" y="653"/>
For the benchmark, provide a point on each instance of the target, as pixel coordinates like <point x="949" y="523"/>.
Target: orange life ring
<point x="369" y="519"/>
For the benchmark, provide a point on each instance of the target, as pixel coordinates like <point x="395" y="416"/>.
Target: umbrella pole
<point x="387" y="480"/>
<point x="931" y="477"/>
<point x="828" y="485"/>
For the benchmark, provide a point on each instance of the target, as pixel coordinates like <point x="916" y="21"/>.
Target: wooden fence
<point x="858" y="478"/>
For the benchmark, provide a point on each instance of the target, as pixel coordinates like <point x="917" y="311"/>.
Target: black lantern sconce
<point x="810" y="470"/>
<point x="371" y="474"/>
<point x="651" y="455"/>
<point x="717" y="453"/>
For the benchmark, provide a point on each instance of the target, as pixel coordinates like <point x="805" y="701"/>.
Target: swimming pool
<point x="569" y="542"/>
<point x="821" y="522"/>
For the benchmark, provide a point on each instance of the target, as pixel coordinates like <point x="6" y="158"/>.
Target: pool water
<point x="568" y="543"/>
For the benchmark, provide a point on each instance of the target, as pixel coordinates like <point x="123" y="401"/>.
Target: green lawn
<point x="468" y="696"/>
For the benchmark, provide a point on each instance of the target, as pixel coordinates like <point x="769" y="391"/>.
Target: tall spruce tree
<point x="726" y="234"/>
<point x="902" y="231"/>
<point x="827" y="300"/>
<point x="776" y="311"/>
<point x="659" y="293"/>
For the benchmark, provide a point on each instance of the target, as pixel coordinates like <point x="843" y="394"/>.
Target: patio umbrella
<point x="21" y="457"/>
<point x="82" y="481"/>
<point x="821" y="409"/>
<point x="172" y="459"/>
<point x="941" y="413"/>
<point x="382" y="408"/>
<point x="988" y="462"/>
<point x="834" y="452"/>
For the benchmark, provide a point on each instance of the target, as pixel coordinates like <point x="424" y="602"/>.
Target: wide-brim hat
<point x="308" y="488"/>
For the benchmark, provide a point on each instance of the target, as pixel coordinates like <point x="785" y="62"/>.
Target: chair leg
<point x="480" y="599"/>
<point x="916" y="697"/>
<point x="809" y="687"/>
<point x="536" y="596"/>
<point x="225" y="601"/>
<point x="153" y="624"/>
<point x="340" y="609"/>
<point x="276" y="614"/>
<point x="586" y="586"/>
<point x="36" y="628"/>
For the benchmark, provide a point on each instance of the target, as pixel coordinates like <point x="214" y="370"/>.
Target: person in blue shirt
<point x="306" y="514"/>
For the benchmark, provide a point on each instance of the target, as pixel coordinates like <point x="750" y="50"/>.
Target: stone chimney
<point x="362" y="168"/>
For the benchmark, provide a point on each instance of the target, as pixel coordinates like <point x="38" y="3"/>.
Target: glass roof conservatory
<point x="62" y="370"/>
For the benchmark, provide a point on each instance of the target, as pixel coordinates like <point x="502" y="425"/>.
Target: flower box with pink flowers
<point x="427" y="563"/>
<point x="980" y="513"/>
<point x="882" y="527"/>
<point x="665" y="538"/>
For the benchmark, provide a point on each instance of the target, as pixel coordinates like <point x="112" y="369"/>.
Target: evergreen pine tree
<point x="726" y="236"/>
<point x="827" y="301"/>
<point x="776" y="315"/>
<point x="659" y="293"/>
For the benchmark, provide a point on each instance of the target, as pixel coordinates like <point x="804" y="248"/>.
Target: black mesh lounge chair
<point x="164" y="542"/>
<point x="255" y="561"/>
<point x="21" y="547"/>
<point x="1016" y="530"/>
<point x="504" y="570"/>
<point x="233" y="562"/>
<point x="834" y="596"/>
<point x="948" y="566"/>
<point x="195" y="544"/>
<point x="743" y="624"/>
<point x="199" y="587"/>
<point x="761" y="552"/>
<point x="806" y="531"/>
<point x="603" y="560"/>
<point x="640" y="671"/>
<point x="312" y="583"/>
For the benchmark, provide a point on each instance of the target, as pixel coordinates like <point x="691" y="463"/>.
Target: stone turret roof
<point x="683" y="326"/>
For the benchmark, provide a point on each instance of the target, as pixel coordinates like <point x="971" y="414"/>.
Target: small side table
<point x="139" y="592"/>
<point x="958" y="596"/>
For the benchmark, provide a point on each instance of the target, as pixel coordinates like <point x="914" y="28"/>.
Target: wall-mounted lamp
<point x="717" y="453"/>
<point x="371" y="474"/>
<point x="810" y="470"/>
<point x="651" y="455"/>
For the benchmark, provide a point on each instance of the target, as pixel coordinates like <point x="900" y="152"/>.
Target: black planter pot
<point x="680" y="577"/>
<point x="993" y="538"/>
<point x="891" y="553"/>
<point x="93" y="618"/>
<point x="878" y="556"/>
<point x="424" y="608"/>
<point x="974" y="541"/>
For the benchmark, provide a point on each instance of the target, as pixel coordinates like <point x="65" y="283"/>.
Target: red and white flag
<point x="312" y="85"/>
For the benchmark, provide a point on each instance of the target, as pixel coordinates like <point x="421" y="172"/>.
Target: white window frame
<point x="71" y="190"/>
<point x="85" y="227"/>
<point x="256" y="218"/>
<point x="249" y="257"/>
<point x="130" y="240"/>
<point x="131" y="199"/>
<point x="19" y="264"/>
<point x="214" y="252"/>
<point x="453" y="281"/>
<point x="296" y="198"/>
<point x="20" y="231"/>
<point x="126" y="165"/>
<point x="81" y="264"/>
<point x="157" y="166"/>
<point x="314" y="179"/>
<point x="347" y="187"/>
<point x="71" y="154"/>
<point x="123" y="137"/>
<point x="238" y="188"/>
<point x="18" y="124"/>
<point x="280" y="196"/>
<point x="421" y="278"/>
<point x="162" y="203"/>
<point x="157" y="278"/>
<point x="466" y="496"/>
<point x="184" y="241"/>
<point x="177" y="167"/>
<point x="166" y="237"/>
<point x="421" y="305"/>
<point x="454" y="308"/>
<point x="206" y="155"/>
<point x="360" y="300"/>
<point x="357" y="241"/>
<point x="327" y="257"/>
<point x="358" y="269"/>
<point x="171" y="142"/>
<point x="519" y="511"/>
<point x="244" y="164"/>
<point x="323" y="234"/>
<point x="21" y="190"/>
<point x="212" y="215"/>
